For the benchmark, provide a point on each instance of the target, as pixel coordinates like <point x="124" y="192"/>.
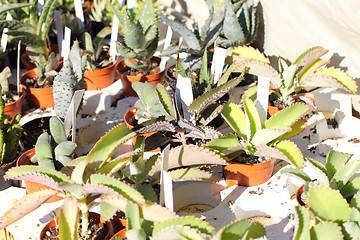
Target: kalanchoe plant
<point x="140" y="37"/>
<point x="69" y="80"/>
<point x="338" y="173"/>
<point x="97" y="51"/>
<point x="9" y="135"/>
<point x="54" y="150"/>
<point x="88" y="178"/>
<point x="268" y="139"/>
<point x="335" y="218"/>
<point x="6" y="94"/>
<point x="307" y="71"/>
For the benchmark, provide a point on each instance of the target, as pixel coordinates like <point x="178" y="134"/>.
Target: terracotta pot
<point x="100" y="78"/>
<point x="95" y="216"/>
<point x="127" y="80"/>
<point x="272" y="110"/>
<point x="25" y="159"/>
<point x="298" y="196"/>
<point x="15" y="107"/>
<point x="248" y="174"/>
<point x="25" y="60"/>
<point x="129" y="119"/>
<point x="38" y="97"/>
<point x="120" y="225"/>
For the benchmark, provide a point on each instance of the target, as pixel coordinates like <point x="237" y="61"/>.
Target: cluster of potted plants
<point x="187" y="139"/>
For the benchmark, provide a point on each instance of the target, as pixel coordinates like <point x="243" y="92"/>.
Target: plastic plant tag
<point x="59" y="29"/>
<point x="262" y="97"/>
<point x="70" y="119"/>
<point x="164" y="168"/>
<point x="41" y="4"/>
<point x="168" y="190"/>
<point x="79" y="13"/>
<point x="114" y="37"/>
<point x="121" y="3"/>
<point x="66" y="44"/>
<point x="4" y="36"/>
<point x="345" y="104"/>
<point x="131" y="4"/>
<point x="18" y="69"/>
<point x="166" y="45"/>
<point x="217" y="63"/>
<point x="183" y="86"/>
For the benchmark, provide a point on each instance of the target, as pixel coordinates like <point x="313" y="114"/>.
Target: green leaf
<point x="253" y="120"/>
<point x="267" y="135"/>
<point x="292" y="152"/>
<point x="351" y="187"/>
<point x="297" y="172"/>
<point x="223" y="143"/>
<point x="231" y="26"/>
<point x="148" y="20"/>
<point x="68" y="219"/>
<point x="287" y="116"/>
<point x="107" y="211"/>
<point x="326" y="230"/>
<point x="343" y="175"/>
<point x="20" y="171"/>
<point x="334" y="161"/>
<point x="189" y="174"/>
<point x="319" y="170"/>
<point x="355" y="201"/>
<point x="133" y="216"/>
<point x="133" y="35"/>
<point x="341" y="78"/>
<point x="12" y="6"/>
<point x="352" y="230"/>
<point x="322" y="201"/>
<point x="302" y="225"/>
<point x="165" y="100"/>
<point x="238" y="230"/>
<point x="189" y="221"/>
<point x="235" y="117"/>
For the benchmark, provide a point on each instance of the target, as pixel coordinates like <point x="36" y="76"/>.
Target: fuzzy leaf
<point x="235" y="117"/>
<point x="189" y="155"/>
<point x="25" y="205"/>
<point x="322" y="201"/>
<point x="287" y="116"/>
<point x="302" y="229"/>
<point x="119" y="186"/>
<point x="192" y="174"/>
<point x="189" y="221"/>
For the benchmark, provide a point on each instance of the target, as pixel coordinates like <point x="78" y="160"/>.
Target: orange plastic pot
<point x="15" y="107"/>
<point x="129" y="119"/>
<point x="92" y="215"/>
<point x="100" y="78"/>
<point x="272" y="110"/>
<point x="38" y="97"/>
<point x="25" y="159"/>
<point x="127" y="80"/>
<point x="298" y="196"/>
<point x="248" y="174"/>
<point x="120" y="224"/>
<point x="25" y="60"/>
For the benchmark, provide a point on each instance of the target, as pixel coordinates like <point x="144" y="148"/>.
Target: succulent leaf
<point x="287" y="116"/>
<point x="190" y="174"/>
<point x="235" y="117"/>
<point x="133" y="35"/>
<point x="240" y="229"/>
<point x="165" y="100"/>
<point x="23" y="171"/>
<point x="351" y="187"/>
<point x="223" y="143"/>
<point x="253" y="123"/>
<point x="292" y="152"/>
<point x="326" y="230"/>
<point x="248" y="52"/>
<point x="302" y="229"/>
<point x="267" y="135"/>
<point x="335" y="160"/>
<point x="231" y="26"/>
<point x="297" y="172"/>
<point x="344" y="174"/>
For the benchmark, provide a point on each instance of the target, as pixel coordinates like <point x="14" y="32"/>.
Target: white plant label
<point x="79" y="13"/>
<point x="18" y="69"/>
<point x="131" y="4"/>
<point x="66" y="44"/>
<point x="345" y="104"/>
<point x="164" y="167"/>
<point x="114" y="37"/>
<point x="183" y="85"/>
<point x="4" y="37"/>
<point x="168" y="190"/>
<point x="262" y="97"/>
<point x="59" y="29"/>
<point x="70" y="119"/>
<point x="41" y="4"/>
<point x="217" y="63"/>
<point x="167" y="43"/>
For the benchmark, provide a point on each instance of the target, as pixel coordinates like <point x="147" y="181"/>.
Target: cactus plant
<point x="53" y="150"/>
<point x="140" y="37"/>
<point x="69" y="80"/>
<point x="9" y="135"/>
<point x="308" y="70"/>
<point x="268" y="139"/>
<point x="338" y="173"/>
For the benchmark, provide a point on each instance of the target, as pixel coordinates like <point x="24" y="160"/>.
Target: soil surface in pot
<point x="246" y="159"/>
<point x="143" y="72"/>
<point x="104" y="60"/>
<point x="97" y="231"/>
<point x="33" y="83"/>
<point x="265" y="221"/>
<point x="10" y="96"/>
<point x="32" y="130"/>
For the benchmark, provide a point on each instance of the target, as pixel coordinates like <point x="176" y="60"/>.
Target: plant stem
<point x="84" y="218"/>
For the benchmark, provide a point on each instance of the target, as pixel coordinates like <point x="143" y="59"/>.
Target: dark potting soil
<point x="143" y="72"/>
<point x="33" y="83"/>
<point x="97" y="231"/>
<point x="10" y="96"/>
<point x="32" y="130"/>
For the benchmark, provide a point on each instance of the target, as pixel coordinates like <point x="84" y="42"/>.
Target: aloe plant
<point x="338" y="173"/>
<point x="334" y="217"/>
<point x="307" y="71"/>
<point x="140" y="37"/>
<point x="54" y="150"/>
<point x="268" y="139"/>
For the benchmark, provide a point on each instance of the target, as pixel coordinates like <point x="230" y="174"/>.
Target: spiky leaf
<point x="267" y="135"/>
<point x="165" y="100"/>
<point x="302" y="229"/>
<point x="287" y="116"/>
<point x="292" y="152"/>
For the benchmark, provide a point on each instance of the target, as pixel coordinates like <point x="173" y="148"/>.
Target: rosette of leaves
<point x="335" y="218"/>
<point x="338" y="173"/>
<point x="141" y="36"/>
<point x="33" y="30"/>
<point x="69" y="80"/>
<point x="289" y="84"/>
<point x="251" y="137"/>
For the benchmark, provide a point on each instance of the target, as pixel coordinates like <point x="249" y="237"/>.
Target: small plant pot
<point x="119" y="224"/>
<point x="37" y="97"/>
<point x="15" y="107"/>
<point x="272" y="110"/>
<point x="25" y="159"/>
<point x="127" y="80"/>
<point x="129" y="119"/>
<point x="25" y="60"/>
<point x="248" y="174"/>
<point x="92" y="215"/>
<point x="99" y="78"/>
<point x="298" y="194"/>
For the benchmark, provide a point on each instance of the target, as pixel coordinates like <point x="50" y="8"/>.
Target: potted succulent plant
<point x="100" y="68"/>
<point x="254" y="146"/>
<point x="138" y="48"/>
<point x="290" y="83"/>
<point x="338" y="173"/>
<point x="13" y="99"/>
